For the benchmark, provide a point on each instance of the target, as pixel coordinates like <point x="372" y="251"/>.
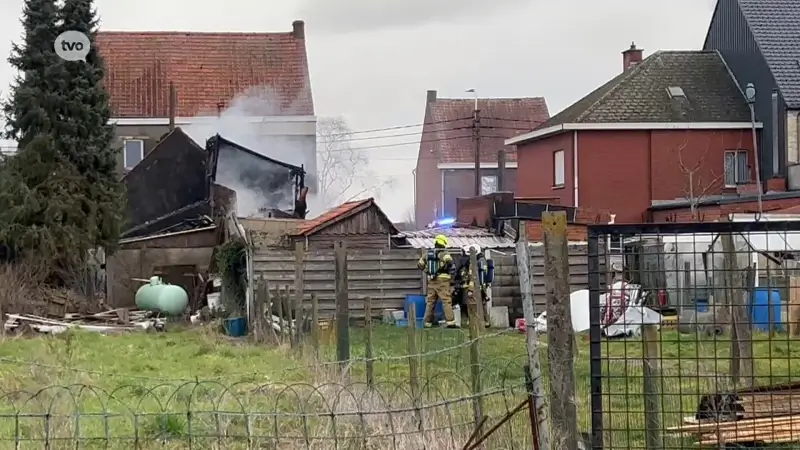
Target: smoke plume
<point x="288" y="141"/>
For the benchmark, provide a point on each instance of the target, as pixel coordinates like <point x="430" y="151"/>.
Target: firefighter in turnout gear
<point x="469" y="284"/>
<point x="438" y="265"/>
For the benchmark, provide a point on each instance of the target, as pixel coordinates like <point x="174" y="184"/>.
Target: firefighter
<point x="438" y="265"/>
<point x="469" y="284"/>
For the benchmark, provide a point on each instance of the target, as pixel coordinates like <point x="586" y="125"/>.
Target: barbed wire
<point x="78" y="414"/>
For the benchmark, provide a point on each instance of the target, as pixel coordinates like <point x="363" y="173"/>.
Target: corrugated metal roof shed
<point x="458" y="237"/>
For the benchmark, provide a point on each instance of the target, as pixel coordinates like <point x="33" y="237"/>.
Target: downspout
<point x="797" y="133"/>
<point x="575" y="167"/>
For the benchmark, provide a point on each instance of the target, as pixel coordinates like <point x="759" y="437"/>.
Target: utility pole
<point x="476" y="137"/>
<point x="501" y="170"/>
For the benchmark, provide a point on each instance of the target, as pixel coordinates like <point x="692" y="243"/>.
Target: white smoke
<point x="287" y="141"/>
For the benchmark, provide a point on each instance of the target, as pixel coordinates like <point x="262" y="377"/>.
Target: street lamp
<point x="750" y="95"/>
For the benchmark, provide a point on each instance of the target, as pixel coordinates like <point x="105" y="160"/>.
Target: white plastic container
<point x="457" y="314"/>
<point x="398" y="315"/>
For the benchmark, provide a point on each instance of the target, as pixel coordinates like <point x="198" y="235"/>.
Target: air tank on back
<point x="158" y="297"/>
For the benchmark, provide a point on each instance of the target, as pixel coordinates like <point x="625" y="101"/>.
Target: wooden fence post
<point x="560" y="334"/>
<point x="735" y="299"/>
<point x="532" y="339"/>
<point x="413" y="361"/>
<point x="342" y="305"/>
<point x="315" y="325"/>
<point x="651" y="367"/>
<point x="281" y="326"/>
<point x="299" y="263"/>
<point x="475" y="324"/>
<point x="477" y="295"/>
<point x="368" y="350"/>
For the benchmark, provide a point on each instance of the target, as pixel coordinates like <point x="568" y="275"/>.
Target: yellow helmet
<point x="440" y="241"/>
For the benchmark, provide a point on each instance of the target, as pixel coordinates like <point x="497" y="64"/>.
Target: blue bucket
<point x="235" y="327"/>
<point x="403" y="323"/>
<point x="419" y="305"/>
<point x="701" y="305"/>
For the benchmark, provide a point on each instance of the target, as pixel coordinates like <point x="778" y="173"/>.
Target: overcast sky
<point x="373" y="61"/>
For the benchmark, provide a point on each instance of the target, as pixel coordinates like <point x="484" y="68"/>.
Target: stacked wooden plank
<point x="116" y="320"/>
<point x="769" y="414"/>
<point x="768" y="430"/>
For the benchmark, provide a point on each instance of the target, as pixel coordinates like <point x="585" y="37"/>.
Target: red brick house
<point x="265" y="74"/>
<point x="446" y="162"/>
<point x="672" y="126"/>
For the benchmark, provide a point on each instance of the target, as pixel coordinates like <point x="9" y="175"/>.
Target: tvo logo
<point x="72" y="46"/>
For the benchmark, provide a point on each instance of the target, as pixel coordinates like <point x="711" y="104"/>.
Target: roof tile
<point x="449" y="127"/>
<point x="640" y="94"/>
<point x="775" y="25"/>
<point x="207" y="69"/>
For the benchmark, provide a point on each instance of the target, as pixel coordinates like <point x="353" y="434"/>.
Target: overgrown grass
<point x="141" y="373"/>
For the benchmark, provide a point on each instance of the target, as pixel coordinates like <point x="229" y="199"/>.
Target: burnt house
<point x="169" y="189"/>
<point x="174" y="187"/>
<point x="265" y="187"/>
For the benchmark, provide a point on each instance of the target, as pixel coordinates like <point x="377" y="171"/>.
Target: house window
<point x="488" y="184"/>
<point x="133" y="152"/>
<point x="736" y="169"/>
<point x="558" y="168"/>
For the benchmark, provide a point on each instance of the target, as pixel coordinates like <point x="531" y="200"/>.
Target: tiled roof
<point x="641" y="95"/>
<point x="775" y="25"/>
<point x="206" y="68"/>
<point x="336" y="214"/>
<point x="457" y="237"/>
<point x="449" y="127"/>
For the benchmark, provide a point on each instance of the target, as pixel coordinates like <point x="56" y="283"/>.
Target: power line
<point x="399" y="127"/>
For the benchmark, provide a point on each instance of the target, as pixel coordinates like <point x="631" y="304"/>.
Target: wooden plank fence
<point x="506" y="290"/>
<point x="386" y="276"/>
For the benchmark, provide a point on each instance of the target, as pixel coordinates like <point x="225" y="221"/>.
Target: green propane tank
<point x="158" y="297"/>
<point x="147" y="295"/>
<point x="172" y="300"/>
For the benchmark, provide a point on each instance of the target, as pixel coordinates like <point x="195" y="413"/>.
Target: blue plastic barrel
<point x="236" y="327"/>
<point x="701" y="305"/>
<point x="419" y="306"/>
<point x="759" y="309"/>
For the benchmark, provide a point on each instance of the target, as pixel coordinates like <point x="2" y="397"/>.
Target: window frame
<point x="737" y="170"/>
<point x="125" y="142"/>
<point x="563" y="171"/>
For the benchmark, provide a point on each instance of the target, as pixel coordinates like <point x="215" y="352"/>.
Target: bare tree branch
<point x="343" y="172"/>
<point x="701" y="179"/>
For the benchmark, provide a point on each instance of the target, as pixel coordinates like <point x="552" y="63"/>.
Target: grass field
<point x="143" y="384"/>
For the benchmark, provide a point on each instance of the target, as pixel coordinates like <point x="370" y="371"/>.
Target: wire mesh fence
<point x="694" y="343"/>
<point x="324" y="407"/>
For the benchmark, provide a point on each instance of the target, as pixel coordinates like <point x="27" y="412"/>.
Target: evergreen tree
<point x="33" y="99"/>
<point x="42" y="199"/>
<point x="60" y="195"/>
<point x="85" y="136"/>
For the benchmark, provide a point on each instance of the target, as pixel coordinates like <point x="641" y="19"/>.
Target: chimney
<point x="631" y="57"/>
<point x="299" y="29"/>
<point x="432" y="96"/>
